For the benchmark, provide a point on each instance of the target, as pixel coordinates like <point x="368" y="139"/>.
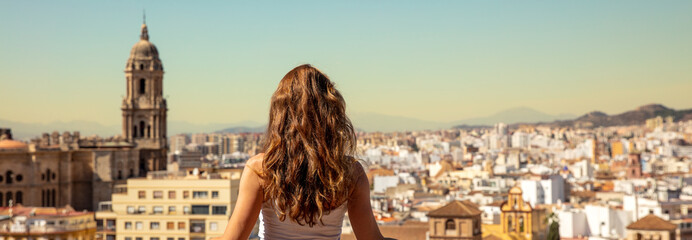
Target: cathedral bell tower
<point x="144" y="108"/>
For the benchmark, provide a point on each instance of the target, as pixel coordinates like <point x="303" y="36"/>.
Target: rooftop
<point x="652" y="222"/>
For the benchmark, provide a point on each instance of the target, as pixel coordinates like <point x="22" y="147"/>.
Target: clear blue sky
<point x="432" y="60"/>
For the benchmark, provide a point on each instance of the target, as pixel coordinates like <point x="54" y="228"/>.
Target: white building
<point x="544" y="191"/>
<point x="381" y="183"/>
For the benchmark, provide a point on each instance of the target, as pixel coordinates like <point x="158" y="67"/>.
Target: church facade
<point x="60" y="169"/>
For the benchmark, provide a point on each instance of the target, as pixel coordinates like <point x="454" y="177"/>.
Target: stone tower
<point x="144" y="108"/>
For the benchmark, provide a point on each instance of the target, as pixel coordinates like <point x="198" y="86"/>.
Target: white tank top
<point x="271" y="228"/>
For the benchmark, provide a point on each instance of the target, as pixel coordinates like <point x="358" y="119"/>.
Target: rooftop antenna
<point x="144" y="16"/>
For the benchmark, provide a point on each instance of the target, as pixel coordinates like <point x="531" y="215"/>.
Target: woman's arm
<point x="359" y="210"/>
<point x="249" y="202"/>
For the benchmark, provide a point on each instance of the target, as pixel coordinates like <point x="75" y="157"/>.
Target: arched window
<point x="120" y="174"/>
<point x="48" y="175"/>
<point x="510" y="226"/>
<point x="149" y="131"/>
<point x="142" y="86"/>
<point x="43" y="197"/>
<point x="8" y="198"/>
<point x="141" y="66"/>
<point x="53" y="195"/>
<point x="134" y="132"/>
<point x="141" y="129"/>
<point x="20" y="197"/>
<point x="1" y="202"/>
<point x="449" y="225"/>
<point x="8" y="177"/>
<point x="521" y="224"/>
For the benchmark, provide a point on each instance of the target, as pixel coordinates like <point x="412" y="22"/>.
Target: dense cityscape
<point x="597" y="177"/>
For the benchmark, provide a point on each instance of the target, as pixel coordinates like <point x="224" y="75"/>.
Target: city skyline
<point x="457" y="63"/>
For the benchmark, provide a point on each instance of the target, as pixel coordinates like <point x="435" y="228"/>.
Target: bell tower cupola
<point x="144" y="108"/>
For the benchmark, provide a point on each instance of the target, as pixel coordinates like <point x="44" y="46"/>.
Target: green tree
<point x="554" y="229"/>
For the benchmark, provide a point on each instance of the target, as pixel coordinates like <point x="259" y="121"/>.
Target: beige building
<point x="651" y="227"/>
<point x="58" y="170"/>
<point x="45" y="223"/>
<point x="456" y="220"/>
<point x="170" y="206"/>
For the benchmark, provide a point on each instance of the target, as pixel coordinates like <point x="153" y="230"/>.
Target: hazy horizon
<point x="438" y="62"/>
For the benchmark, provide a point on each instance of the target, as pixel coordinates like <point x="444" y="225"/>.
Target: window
<point x="200" y="194"/>
<point x="181" y="238"/>
<point x="449" y="225"/>
<point x="181" y="225"/>
<point x="142" y="86"/>
<point x="8" y="177"/>
<point x="153" y="238"/>
<point x="142" y="209"/>
<point x="154" y="225"/>
<point x="215" y="194"/>
<point x="186" y="194"/>
<point x="110" y="224"/>
<point x="158" y="209"/>
<point x="128" y="238"/>
<point x="158" y="194"/>
<point x="110" y="237"/>
<point x="142" y="194"/>
<point x="171" y="194"/>
<point x="139" y="225"/>
<point x="130" y="209"/>
<point x="128" y="225"/>
<point x="218" y="210"/>
<point x="171" y="209"/>
<point x="138" y="238"/>
<point x="200" y="209"/>
<point x="197" y="226"/>
<point x="170" y="225"/>
<point x="213" y="226"/>
<point x="170" y="238"/>
<point x="186" y="209"/>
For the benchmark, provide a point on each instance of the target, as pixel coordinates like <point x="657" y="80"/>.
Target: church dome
<point x="144" y="54"/>
<point x="144" y="50"/>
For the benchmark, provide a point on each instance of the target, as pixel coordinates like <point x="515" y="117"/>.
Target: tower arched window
<point x="141" y="128"/>
<point x="141" y="66"/>
<point x="8" y="198"/>
<point x="510" y="227"/>
<point x="142" y="86"/>
<point x="134" y="132"/>
<point x="1" y="202"/>
<point x="53" y="196"/>
<point x="149" y="131"/>
<point x="521" y="224"/>
<point x="20" y="197"/>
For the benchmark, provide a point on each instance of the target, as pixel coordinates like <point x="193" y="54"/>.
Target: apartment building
<point x="169" y="206"/>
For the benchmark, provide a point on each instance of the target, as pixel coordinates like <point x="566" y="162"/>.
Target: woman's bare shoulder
<point x="255" y="163"/>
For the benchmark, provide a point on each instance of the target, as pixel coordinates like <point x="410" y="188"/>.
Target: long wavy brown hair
<point x="307" y="168"/>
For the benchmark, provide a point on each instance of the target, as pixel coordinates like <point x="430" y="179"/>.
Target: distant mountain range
<point x="633" y="117"/>
<point x="376" y="122"/>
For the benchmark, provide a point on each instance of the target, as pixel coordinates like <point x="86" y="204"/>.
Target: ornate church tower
<point x="144" y="108"/>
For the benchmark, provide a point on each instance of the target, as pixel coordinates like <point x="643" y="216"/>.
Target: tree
<point x="554" y="229"/>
